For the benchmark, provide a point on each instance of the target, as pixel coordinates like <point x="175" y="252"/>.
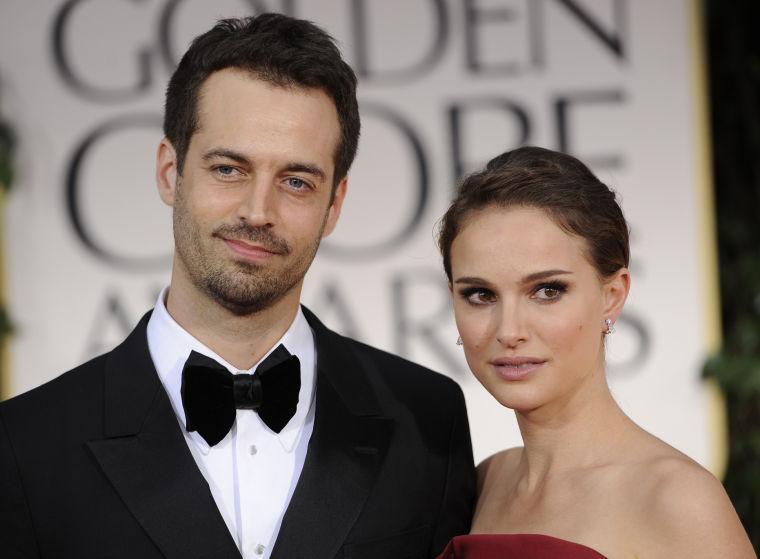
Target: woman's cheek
<point x="478" y="364"/>
<point x="470" y="328"/>
<point x="569" y="335"/>
<point x="474" y="327"/>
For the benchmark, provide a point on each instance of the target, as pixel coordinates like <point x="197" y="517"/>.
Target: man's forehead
<point x="235" y="93"/>
<point x="239" y="111"/>
<point x="227" y="78"/>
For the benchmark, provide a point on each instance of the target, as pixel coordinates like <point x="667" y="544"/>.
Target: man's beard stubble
<point x="242" y="288"/>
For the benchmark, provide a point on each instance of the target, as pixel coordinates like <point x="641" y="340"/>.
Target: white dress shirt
<point x="253" y="471"/>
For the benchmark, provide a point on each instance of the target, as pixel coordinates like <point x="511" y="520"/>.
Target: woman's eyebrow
<point x="468" y="280"/>
<point x="535" y="276"/>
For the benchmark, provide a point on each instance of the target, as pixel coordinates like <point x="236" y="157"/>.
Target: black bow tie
<point x="211" y="394"/>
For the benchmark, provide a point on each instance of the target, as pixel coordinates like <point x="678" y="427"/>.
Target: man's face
<point x="253" y="201"/>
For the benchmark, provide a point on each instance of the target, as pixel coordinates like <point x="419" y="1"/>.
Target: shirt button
<point x="259" y="549"/>
<point x="252" y="450"/>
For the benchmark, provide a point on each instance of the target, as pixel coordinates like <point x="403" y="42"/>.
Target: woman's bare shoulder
<point x="683" y="508"/>
<point x="498" y="464"/>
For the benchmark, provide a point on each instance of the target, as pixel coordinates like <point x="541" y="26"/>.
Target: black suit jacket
<point x="94" y="465"/>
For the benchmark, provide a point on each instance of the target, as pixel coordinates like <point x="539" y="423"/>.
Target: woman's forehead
<point x="519" y="239"/>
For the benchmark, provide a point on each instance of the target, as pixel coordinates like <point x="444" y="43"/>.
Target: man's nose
<point x="258" y="203"/>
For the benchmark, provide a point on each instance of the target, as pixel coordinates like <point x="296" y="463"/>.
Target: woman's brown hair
<point x="555" y="182"/>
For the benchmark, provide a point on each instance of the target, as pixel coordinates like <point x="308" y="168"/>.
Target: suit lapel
<point x="347" y="447"/>
<point x="146" y="459"/>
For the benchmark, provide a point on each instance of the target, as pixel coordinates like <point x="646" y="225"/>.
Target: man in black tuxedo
<point x="231" y="422"/>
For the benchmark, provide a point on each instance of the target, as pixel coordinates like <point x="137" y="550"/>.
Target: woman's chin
<point x="519" y="403"/>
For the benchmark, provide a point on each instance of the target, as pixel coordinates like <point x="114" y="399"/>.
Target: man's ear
<point x="334" y="212"/>
<point x="615" y="293"/>
<point x="166" y="172"/>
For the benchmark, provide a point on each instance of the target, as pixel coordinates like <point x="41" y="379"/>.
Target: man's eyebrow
<point x="309" y="168"/>
<point x="214" y="153"/>
<point x="291" y="167"/>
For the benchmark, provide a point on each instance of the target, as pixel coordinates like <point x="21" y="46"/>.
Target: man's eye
<point x="296" y="183"/>
<point x="225" y="170"/>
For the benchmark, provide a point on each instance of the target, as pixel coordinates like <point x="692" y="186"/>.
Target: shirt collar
<point x="170" y="345"/>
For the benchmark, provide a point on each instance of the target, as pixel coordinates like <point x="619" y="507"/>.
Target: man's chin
<point x="245" y="268"/>
<point x="239" y="295"/>
<point x="243" y="305"/>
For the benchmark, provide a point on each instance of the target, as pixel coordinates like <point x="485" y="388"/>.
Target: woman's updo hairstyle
<point x="555" y="182"/>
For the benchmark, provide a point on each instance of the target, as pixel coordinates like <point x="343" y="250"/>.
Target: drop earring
<point x="610" y="326"/>
<point x="459" y="340"/>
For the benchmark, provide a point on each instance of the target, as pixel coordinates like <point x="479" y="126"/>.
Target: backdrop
<point x="444" y="86"/>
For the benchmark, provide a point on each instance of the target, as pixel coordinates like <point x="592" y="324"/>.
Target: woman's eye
<point x="549" y="292"/>
<point x="477" y="296"/>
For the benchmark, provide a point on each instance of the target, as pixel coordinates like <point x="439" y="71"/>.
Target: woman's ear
<point x="615" y="294"/>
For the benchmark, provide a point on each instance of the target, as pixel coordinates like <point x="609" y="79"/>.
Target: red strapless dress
<point x="522" y="546"/>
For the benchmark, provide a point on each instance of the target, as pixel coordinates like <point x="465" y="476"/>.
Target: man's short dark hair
<point x="284" y="51"/>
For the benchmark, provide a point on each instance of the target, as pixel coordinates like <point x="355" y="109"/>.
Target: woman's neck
<point x="582" y="431"/>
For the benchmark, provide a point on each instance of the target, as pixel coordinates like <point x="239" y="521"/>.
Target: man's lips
<point x="517" y="368"/>
<point x="250" y="251"/>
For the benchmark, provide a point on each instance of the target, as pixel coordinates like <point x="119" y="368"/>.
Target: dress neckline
<point x="531" y="537"/>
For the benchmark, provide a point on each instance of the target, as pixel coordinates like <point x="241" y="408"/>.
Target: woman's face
<point x="530" y="307"/>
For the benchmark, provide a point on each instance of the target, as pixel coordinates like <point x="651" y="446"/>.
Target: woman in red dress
<point x="536" y="251"/>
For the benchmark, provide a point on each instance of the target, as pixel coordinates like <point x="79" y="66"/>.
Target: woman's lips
<point x="249" y="251"/>
<point x="517" y="368"/>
